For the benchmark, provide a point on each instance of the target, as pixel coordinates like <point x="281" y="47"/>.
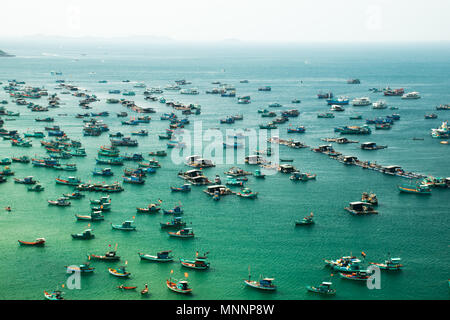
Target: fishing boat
<point x="302" y="176"/>
<point x="102" y="201"/>
<point x="258" y="174"/>
<point x="199" y="263"/>
<point x="299" y="129"/>
<point x="122" y="287"/>
<point x="391" y="264"/>
<point x="183" y="233"/>
<point x="358" y="117"/>
<point x="369" y="198"/>
<point x="325" y="115"/>
<point x="338" y="101"/>
<point x="179" y="286"/>
<point x="361" y="275"/>
<point x="105" y="172"/>
<point x="125" y="226"/>
<point x="153" y="207"/>
<point x="415" y="188"/>
<point x="262" y="284"/>
<point x="74" y="195"/>
<point x="70" y="181"/>
<point x="35" y="134"/>
<point x="55" y="295"/>
<point x="134" y="179"/>
<point x="109" y="256"/>
<point x="162" y="256"/>
<point x="381" y="104"/>
<point x="247" y="193"/>
<point x="323" y="288"/>
<point x="176" y="210"/>
<point x="26" y="180"/>
<point x="94" y="216"/>
<point x="119" y="272"/>
<point x="371" y="146"/>
<point x="160" y="153"/>
<point x="61" y="202"/>
<point x="431" y="116"/>
<point x="36" y="188"/>
<point x="411" y="95"/>
<point x="142" y="133"/>
<point x="85" y="235"/>
<point x="149" y="164"/>
<point x="145" y="290"/>
<point x="23" y="159"/>
<point x="184" y="188"/>
<point x="305" y="221"/>
<point x="234" y="182"/>
<point x="336" y="107"/>
<point x="268" y="126"/>
<point x="37" y="242"/>
<point x="82" y="268"/>
<point x="360" y="208"/>
<point x="113" y="162"/>
<point x="176" y="222"/>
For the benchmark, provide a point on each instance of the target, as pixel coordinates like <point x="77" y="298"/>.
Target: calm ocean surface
<point x="237" y="232"/>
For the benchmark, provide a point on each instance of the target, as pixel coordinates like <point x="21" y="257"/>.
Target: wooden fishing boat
<point x="184" y="188"/>
<point x="119" y="272"/>
<point x="125" y="226"/>
<point x="23" y="159"/>
<point x="82" y="268"/>
<point x="360" y="208"/>
<point x="109" y="256"/>
<point x="323" y="288"/>
<point x="392" y="264"/>
<point x="74" y="195"/>
<point x="305" y="221"/>
<point x="247" y="193"/>
<point x="176" y="222"/>
<point x="126" y="287"/>
<point x="55" y="295"/>
<point x="369" y="198"/>
<point x="27" y="180"/>
<point x="263" y="284"/>
<point x="134" y="179"/>
<point x="161" y="153"/>
<point x="61" y="202"/>
<point x="145" y="290"/>
<point x="162" y="256"/>
<point x="258" y="174"/>
<point x="417" y="189"/>
<point x="302" y="176"/>
<point x="179" y="286"/>
<point x="151" y="208"/>
<point x="176" y="210"/>
<point x="95" y="216"/>
<point x="105" y="172"/>
<point x="199" y="263"/>
<point x="86" y="235"/>
<point x="359" y="275"/>
<point x="183" y="233"/>
<point x="37" y="242"/>
<point x="70" y="181"/>
<point x="36" y="188"/>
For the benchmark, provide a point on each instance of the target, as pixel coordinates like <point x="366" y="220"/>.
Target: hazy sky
<point x="246" y="20"/>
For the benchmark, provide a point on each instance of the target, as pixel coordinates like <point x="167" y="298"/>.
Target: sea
<point x="243" y="237"/>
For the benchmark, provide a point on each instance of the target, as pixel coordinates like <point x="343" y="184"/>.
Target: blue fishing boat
<point x="135" y="179"/>
<point x="176" y="222"/>
<point x="106" y="172"/>
<point x="199" y="263"/>
<point x="417" y="189"/>
<point x="184" y="188"/>
<point x="176" y="210"/>
<point x="308" y="220"/>
<point x="391" y="264"/>
<point x="247" y="193"/>
<point x="338" y="101"/>
<point x="183" y="233"/>
<point x="82" y="268"/>
<point x="262" y="284"/>
<point x="299" y="129"/>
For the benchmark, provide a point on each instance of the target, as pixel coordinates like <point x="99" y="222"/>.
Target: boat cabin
<point x="325" y="148"/>
<point x="163" y="254"/>
<point x="221" y="189"/>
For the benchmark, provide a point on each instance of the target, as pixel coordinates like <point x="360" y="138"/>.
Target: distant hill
<point x="4" y="54"/>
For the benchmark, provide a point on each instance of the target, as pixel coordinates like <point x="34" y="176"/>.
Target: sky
<point x="231" y="20"/>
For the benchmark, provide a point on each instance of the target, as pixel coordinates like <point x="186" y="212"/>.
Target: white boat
<point x="411" y="95"/>
<point x="336" y="107"/>
<point x="361" y="102"/>
<point x="381" y="104"/>
<point x="189" y="91"/>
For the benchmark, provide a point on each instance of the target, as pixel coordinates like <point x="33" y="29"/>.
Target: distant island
<point x="4" y="54"/>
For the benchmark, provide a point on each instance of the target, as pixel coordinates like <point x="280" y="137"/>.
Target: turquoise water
<point x="238" y="233"/>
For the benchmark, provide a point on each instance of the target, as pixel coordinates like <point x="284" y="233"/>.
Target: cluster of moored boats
<point x="59" y="147"/>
